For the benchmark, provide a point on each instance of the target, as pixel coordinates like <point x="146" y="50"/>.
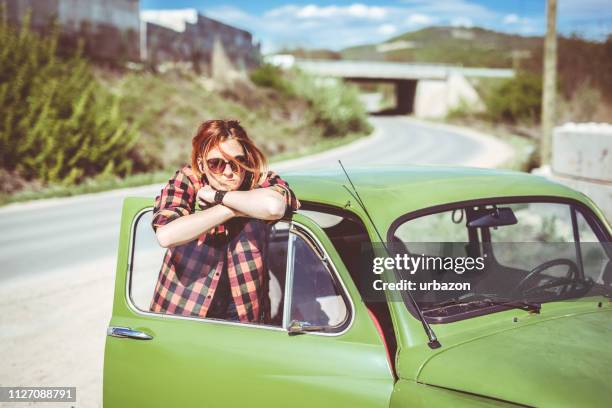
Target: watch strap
<point x="219" y="196"/>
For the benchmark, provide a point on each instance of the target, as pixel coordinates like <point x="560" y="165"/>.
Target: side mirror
<point x="495" y="217"/>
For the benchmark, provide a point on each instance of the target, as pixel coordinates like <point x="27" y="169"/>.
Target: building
<point x="186" y="35"/>
<point x="110" y="27"/>
<point x="117" y="30"/>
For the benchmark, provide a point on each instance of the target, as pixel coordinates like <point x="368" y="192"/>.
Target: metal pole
<point x="550" y="82"/>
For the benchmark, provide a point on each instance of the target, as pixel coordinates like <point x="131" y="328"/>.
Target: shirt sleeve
<point x="176" y="199"/>
<point x="275" y="182"/>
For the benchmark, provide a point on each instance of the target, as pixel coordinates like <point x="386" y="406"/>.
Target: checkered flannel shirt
<point x="190" y="272"/>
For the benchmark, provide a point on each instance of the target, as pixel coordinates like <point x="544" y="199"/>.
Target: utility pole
<point x="550" y="82"/>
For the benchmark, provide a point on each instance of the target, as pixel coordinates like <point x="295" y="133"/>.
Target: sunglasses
<point x="217" y="165"/>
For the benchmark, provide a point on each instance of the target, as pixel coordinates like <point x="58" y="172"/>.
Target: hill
<point x="451" y="45"/>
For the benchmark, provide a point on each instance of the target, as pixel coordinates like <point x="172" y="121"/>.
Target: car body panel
<point x="232" y="364"/>
<point x="554" y="362"/>
<point x="411" y="394"/>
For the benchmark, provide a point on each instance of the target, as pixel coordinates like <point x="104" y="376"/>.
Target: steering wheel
<point x="572" y="273"/>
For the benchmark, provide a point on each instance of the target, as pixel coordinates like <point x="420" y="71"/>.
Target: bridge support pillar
<point x="405" y="91"/>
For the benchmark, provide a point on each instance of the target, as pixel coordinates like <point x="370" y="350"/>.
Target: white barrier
<point x="582" y="159"/>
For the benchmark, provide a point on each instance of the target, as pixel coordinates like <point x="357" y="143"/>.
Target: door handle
<point x="126" y="332"/>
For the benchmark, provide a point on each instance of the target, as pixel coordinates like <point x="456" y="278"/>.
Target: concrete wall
<point x="42" y="11"/>
<point x="163" y="44"/>
<point x="195" y="41"/>
<point x="237" y="43"/>
<point x="110" y="27"/>
<point x="582" y="159"/>
<point x="121" y="14"/>
<point x="436" y="98"/>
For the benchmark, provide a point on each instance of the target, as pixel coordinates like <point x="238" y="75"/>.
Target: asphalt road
<point x="54" y="234"/>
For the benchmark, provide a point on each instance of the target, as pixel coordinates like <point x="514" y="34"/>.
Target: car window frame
<point x="313" y="240"/>
<point x="300" y="230"/>
<point x="587" y="212"/>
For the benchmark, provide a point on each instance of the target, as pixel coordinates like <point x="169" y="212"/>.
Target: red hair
<point x="211" y="133"/>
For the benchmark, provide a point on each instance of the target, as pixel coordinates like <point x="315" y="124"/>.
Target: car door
<point x="157" y="360"/>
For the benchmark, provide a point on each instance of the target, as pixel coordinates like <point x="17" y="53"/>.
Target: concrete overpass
<point x="395" y="71"/>
<point x="423" y="89"/>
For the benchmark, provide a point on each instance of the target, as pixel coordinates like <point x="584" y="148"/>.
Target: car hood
<point x="565" y="361"/>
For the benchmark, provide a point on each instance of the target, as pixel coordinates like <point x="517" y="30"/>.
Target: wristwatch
<point x="219" y="196"/>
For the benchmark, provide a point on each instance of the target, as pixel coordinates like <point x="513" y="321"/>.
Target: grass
<point x="87" y="187"/>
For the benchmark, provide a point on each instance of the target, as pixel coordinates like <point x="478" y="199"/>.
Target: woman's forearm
<point x="261" y="203"/>
<point x="189" y="227"/>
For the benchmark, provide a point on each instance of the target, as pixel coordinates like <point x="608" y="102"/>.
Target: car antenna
<point x="433" y="340"/>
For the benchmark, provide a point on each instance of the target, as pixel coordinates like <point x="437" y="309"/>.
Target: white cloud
<point x="173" y="19"/>
<point x="450" y="8"/>
<point x="387" y="29"/>
<point x="416" y="19"/>
<point x="511" y="19"/>
<point x="360" y="10"/>
<point x="313" y="11"/>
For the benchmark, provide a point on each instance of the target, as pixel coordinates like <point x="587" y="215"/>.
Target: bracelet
<point x="219" y="196"/>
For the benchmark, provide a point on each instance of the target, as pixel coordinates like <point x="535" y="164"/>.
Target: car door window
<point x="316" y="295"/>
<point x="147" y="257"/>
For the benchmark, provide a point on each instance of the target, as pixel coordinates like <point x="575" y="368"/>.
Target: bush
<point x="335" y="105"/>
<point x="270" y="76"/>
<point x="584" y="105"/>
<point x="516" y="99"/>
<point x="57" y="123"/>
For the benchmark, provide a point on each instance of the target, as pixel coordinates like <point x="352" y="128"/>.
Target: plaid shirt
<point x="190" y="272"/>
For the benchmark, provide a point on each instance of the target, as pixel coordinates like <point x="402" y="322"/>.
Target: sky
<point x="339" y="24"/>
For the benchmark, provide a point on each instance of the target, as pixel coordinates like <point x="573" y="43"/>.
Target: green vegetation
<point x="451" y="45"/>
<point x="516" y="99"/>
<point x="57" y="124"/>
<point x="334" y="106"/>
<point x="271" y="76"/>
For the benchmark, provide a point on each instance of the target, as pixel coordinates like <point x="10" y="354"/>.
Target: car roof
<point x="392" y="191"/>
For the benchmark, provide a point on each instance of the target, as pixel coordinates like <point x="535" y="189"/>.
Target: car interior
<point x="557" y="265"/>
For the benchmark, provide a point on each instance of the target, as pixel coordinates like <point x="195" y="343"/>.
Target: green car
<point x="533" y="327"/>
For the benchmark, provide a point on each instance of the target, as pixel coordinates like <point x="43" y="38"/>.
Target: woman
<point x="215" y="263"/>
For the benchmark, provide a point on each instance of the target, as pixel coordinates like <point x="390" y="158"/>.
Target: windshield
<point x="479" y="259"/>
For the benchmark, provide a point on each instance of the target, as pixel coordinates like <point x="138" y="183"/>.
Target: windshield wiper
<point x="532" y="307"/>
<point x="486" y="300"/>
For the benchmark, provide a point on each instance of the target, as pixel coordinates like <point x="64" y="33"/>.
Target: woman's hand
<point x="261" y="203"/>
<point x="206" y="196"/>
